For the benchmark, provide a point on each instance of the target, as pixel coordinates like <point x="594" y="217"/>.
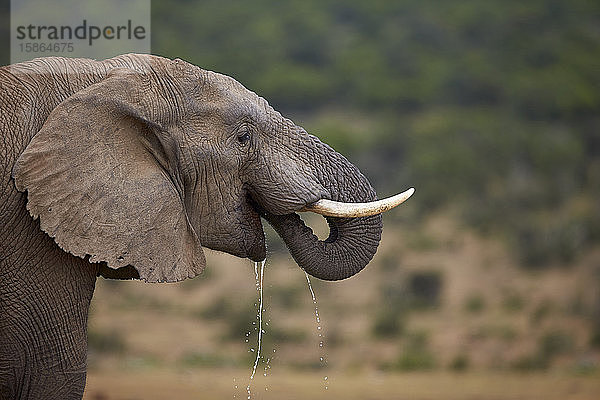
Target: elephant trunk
<point x="349" y="248"/>
<point x="352" y="242"/>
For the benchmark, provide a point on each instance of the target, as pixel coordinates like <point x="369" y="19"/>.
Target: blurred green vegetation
<point x="206" y="360"/>
<point x="415" y="355"/>
<point x="475" y="303"/>
<point x="550" y="345"/>
<point x="106" y="342"/>
<point x="492" y="106"/>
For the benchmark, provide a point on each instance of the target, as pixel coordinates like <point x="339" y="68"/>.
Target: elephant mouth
<point x="255" y="247"/>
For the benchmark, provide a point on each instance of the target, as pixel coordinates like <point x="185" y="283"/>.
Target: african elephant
<point x="128" y="167"/>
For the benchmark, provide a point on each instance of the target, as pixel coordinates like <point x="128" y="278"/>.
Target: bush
<point x="388" y="325"/>
<point x="474" y="304"/>
<point x="219" y="309"/>
<point x="460" y="363"/>
<point x="240" y="323"/>
<point x="274" y="334"/>
<point x="542" y="311"/>
<point x="424" y="289"/>
<point x="390" y="319"/>
<point x="106" y="342"/>
<point x="555" y="343"/>
<point x="288" y="297"/>
<point x="416" y="360"/>
<point x="513" y="303"/>
<point x="530" y="363"/>
<point x="540" y="244"/>
<point x="204" y="360"/>
<point x="415" y="355"/>
<point x="595" y="338"/>
<point x="550" y="345"/>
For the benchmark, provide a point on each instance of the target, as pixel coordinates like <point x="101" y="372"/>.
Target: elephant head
<point x="150" y="163"/>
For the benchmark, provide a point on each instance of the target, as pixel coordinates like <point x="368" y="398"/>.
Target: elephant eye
<point x="244" y="136"/>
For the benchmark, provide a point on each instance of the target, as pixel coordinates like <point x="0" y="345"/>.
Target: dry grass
<point x="206" y="385"/>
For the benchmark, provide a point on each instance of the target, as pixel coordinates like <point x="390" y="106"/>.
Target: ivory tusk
<point x="331" y="208"/>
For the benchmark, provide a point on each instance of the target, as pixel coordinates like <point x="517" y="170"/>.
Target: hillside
<point x="436" y="298"/>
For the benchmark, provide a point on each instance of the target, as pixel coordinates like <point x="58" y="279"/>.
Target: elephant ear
<point x="101" y="175"/>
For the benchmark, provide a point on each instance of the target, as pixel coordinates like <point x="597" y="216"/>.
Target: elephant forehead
<point x="233" y="92"/>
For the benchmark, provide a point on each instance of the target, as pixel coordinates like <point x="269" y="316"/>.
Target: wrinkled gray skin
<point x="128" y="167"/>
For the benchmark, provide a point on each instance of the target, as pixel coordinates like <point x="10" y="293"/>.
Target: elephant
<point x="125" y="168"/>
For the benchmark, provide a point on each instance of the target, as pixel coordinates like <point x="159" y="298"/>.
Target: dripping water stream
<point x="259" y="287"/>
<point x="259" y="276"/>
<point x="322" y="360"/>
